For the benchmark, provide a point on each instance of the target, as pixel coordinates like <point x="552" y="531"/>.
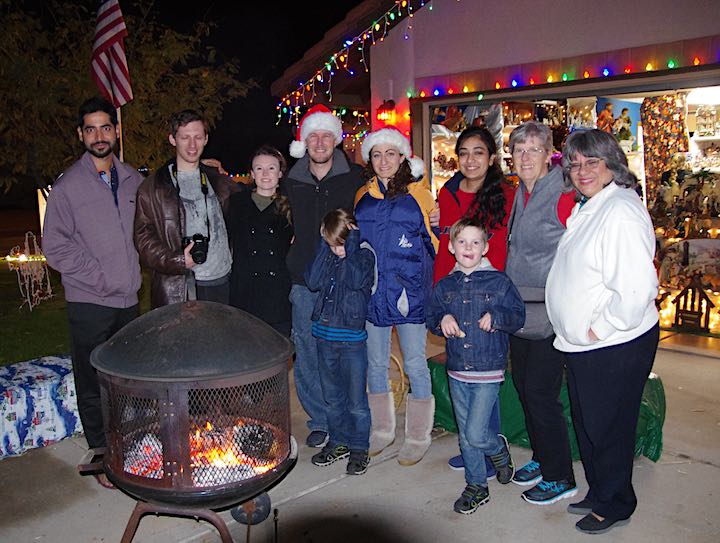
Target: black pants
<point x="215" y="293"/>
<point x="537" y="372"/>
<point x="606" y="387"/>
<point x="91" y="325"/>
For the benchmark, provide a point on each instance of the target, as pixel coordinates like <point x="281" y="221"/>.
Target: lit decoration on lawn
<point x="32" y="272"/>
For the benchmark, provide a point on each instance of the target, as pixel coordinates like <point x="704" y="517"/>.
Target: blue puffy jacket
<point x="398" y="229"/>
<point x="467" y="298"/>
<point x="344" y="284"/>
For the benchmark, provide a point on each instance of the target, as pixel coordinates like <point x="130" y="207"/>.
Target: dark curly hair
<point x="399" y="182"/>
<point x="488" y="206"/>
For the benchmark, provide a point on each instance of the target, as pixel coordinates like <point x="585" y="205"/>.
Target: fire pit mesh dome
<point x="210" y="423"/>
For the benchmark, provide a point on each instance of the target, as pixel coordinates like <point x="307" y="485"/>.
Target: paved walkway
<point x="44" y="500"/>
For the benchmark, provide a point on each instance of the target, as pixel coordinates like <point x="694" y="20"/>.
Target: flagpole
<point x="120" y="138"/>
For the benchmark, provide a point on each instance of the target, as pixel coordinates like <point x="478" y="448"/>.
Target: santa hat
<point x="392" y="136"/>
<point x="317" y="117"/>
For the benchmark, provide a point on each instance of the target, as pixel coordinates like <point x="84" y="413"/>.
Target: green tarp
<point x="648" y="440"/>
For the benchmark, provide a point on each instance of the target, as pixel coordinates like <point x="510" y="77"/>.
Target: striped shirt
<point x="494" y="376"/>
<point x="329" y="333"/>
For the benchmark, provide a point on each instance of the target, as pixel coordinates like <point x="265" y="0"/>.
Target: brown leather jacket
<point x="159" y="215"/>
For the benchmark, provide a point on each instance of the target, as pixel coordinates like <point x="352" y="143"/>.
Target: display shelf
<point x="706" y="138"/>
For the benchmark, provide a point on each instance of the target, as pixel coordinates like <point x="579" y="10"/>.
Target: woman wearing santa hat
<point x="392" y="211"/>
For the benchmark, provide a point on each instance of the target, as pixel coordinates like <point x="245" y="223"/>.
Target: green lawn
<point x="26" y="334"/>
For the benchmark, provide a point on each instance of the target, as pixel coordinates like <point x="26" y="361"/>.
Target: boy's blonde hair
<point x="336" y="226"/>
<point x="462" y="224"/>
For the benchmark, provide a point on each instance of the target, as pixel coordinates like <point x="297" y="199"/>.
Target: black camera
<point x="199" y="251"/>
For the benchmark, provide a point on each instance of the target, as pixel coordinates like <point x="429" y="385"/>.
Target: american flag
<point x="109" y="65"/>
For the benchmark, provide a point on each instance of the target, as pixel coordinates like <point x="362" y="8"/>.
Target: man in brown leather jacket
<point x="180" y="230"/>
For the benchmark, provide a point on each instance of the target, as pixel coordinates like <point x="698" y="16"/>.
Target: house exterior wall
<point x="467" y="36"/>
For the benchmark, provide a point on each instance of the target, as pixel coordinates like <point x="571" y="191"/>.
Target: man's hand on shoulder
<point x="214" y="163"/>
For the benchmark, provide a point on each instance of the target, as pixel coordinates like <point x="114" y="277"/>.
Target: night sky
<point x="267" y="39"/>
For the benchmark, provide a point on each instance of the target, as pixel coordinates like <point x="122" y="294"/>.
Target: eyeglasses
<point x="532" y="152"/>
<point x="589" y="164"/>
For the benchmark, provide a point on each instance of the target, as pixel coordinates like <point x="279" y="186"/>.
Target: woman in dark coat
<point x="260" y="233"/>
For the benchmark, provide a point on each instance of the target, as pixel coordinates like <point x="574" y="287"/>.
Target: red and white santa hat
<point x="392" y="136"/>
<point x="318" y="117"/>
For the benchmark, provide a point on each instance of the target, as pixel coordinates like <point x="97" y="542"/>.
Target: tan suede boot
<point x="419" y="416"/>
<point x="382" y="413"/>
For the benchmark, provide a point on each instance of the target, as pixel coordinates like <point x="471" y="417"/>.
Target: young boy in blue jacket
<point x="344" y="273"/>
<point x="476" y="307"/>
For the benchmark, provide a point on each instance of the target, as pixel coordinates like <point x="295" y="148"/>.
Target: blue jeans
<point x="473" y="404"/>
<point x="412" y="344"/>
<point x="343" y="375"/>
<point x="306" y="370"/>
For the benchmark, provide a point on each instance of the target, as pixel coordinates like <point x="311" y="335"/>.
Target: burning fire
<point x="218" y="448"/>
<point x="217" y="456"/>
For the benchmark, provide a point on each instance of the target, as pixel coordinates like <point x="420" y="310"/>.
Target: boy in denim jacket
<point x="476" y="307"/>
<point x="344" y="273"/>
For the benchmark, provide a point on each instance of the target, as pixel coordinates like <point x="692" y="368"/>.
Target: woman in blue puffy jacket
<point x="392" y="211"/>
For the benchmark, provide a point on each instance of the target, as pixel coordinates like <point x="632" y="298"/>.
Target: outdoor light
<point x="606" y="72"/>
<point x="386" y="112"/>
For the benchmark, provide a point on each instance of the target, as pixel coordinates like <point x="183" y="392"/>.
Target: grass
<point x="25" y="334"/>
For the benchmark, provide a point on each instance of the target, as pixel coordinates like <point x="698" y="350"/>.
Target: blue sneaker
<point x="528" y="475"/>
<point x="547" y="492"/>
<point x="458" y="464"/>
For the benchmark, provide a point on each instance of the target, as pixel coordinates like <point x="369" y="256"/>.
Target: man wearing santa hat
<point x="323" y="179"/>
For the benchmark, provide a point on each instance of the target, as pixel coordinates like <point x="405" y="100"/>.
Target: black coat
<point x="311" y="199"/>
<point x="260" y="281"/>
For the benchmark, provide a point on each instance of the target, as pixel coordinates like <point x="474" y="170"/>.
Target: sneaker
<point x="358" y="463"/>
<point x="317" y="439"/>
<point x="458" y="464"/>
<point x="472" y="497"/>
<point x="591" y="525"/>
<point x="547" y="492"/>
<point x="330" y="454"/>
<point x="503" y="463"/>
<point x="528" y="475"/>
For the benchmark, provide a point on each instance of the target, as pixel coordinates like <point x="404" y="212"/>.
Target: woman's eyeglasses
<point x="589" y="164"/>
<point x="532" y="152"/>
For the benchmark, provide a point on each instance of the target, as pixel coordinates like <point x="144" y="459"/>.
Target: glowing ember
<point x="145" y="457"/>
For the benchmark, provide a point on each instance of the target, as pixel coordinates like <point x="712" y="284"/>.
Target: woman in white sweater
<point x="600" y="297"/>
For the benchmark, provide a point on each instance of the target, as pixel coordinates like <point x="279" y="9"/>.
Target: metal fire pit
<point x="196" y="406"/>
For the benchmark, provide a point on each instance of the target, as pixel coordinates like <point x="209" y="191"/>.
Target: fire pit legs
<point x="142" y="508"/>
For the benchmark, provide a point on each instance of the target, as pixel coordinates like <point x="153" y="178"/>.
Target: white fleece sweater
<point x="603" y="275"/>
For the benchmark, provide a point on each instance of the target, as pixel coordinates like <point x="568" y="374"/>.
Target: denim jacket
<point x="468" y="298"/>
<point x="344" y="284"/>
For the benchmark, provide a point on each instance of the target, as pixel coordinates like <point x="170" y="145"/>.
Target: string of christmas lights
<point x="290" y="105"/>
